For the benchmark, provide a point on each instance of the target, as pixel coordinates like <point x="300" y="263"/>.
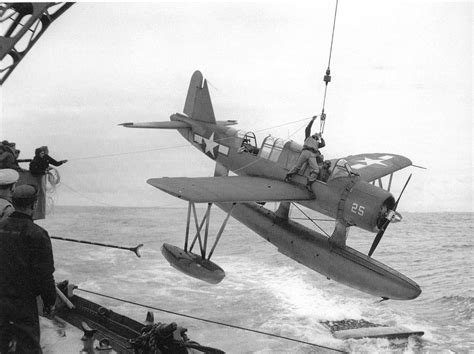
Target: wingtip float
<point x="192" y="264"/>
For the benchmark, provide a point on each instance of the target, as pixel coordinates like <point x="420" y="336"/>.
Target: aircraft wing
<point x="374" y="166"/>
<point x="230" y="189"/>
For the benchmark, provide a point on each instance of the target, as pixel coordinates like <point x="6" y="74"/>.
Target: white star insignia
<point x="367" y="161"/>
<point x="210" y="145"/>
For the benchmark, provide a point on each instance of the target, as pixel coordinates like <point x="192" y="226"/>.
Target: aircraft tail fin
<point x="198" y="104"/>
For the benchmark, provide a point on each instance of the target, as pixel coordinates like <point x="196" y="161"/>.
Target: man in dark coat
<point x="41" y="161"/>
<point x="26" y="271"/>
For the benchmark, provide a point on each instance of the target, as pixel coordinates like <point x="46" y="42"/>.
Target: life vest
<point x="311" y="143"/>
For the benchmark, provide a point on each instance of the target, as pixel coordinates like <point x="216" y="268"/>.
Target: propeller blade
<point x="379" y="235"/>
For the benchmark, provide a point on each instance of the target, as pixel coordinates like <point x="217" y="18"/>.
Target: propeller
<point x="391" y="215"/>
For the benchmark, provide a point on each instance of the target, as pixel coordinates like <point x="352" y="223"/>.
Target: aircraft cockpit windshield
<point x="341" y="169"/>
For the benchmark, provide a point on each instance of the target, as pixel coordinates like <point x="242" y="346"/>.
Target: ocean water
<point x="266" y="291"/>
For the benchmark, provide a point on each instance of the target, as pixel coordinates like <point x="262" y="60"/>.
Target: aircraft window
<point x="249" y="144"/>
<point x="277" y="149"/>
<point x="267" y="147"/>
<point x="341" y="169"/>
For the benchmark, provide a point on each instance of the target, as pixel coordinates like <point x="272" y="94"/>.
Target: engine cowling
<point x="366" y="206"/>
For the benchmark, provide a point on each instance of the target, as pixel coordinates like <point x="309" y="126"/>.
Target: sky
<point x="401" y="83"/>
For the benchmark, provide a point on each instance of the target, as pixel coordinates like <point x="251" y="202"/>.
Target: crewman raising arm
<point x="309" y="153"/>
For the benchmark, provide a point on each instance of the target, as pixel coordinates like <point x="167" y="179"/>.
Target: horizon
<point x="401" y="84"/>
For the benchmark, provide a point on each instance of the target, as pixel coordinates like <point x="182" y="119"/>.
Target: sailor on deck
<point x="9" y="155"/>
<point x="8" y="179"/>
<point x="41" y="161"/>
<point x="26" y="270"/>
<point x="309" y="153"/>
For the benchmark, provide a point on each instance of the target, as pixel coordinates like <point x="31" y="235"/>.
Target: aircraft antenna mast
<point x="327" y="77"/>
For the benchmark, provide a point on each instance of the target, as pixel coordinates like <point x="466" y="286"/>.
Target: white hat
<point x="8" y="176"/>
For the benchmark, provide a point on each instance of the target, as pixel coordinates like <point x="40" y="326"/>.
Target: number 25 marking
<point x="358" y="209"/>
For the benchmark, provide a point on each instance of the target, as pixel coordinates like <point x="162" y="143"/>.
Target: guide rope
<point x="210" y="321"/>
<point x="177" y="146"/>
<point x="86" y="197"/>
<point x="327" y="77"/>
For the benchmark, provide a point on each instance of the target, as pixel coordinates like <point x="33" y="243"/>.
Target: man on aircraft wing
<point x="309" y="153"/>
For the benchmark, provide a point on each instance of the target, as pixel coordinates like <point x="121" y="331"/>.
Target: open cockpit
<point x="285" y="153"/>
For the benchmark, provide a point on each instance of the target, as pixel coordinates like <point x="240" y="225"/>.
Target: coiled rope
<point x="210" y="321"/>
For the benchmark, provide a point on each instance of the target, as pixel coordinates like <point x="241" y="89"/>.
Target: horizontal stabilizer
<point x="230" y="189"/>
<point x="226" y="122"/>
<point x="157" y="125"/>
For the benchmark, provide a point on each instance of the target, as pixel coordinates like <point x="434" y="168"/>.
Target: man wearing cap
<point x="309" y="153"/>
<point x="26" y="271"/>
<point x="8" y="178"/>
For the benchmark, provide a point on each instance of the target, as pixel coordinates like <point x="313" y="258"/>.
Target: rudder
<point x="198" y="104"/>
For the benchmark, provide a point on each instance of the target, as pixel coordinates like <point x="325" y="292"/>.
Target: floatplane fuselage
<point x="349" y="196"/>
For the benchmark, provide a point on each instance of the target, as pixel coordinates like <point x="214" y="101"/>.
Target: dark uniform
<point x="325" y="171"/>
<point x="7" y="156"/>
<point x="26" y="271"/>
<point x="40" y="163"/>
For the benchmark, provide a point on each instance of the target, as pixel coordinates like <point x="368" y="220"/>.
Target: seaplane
<point x="349" y="196"/>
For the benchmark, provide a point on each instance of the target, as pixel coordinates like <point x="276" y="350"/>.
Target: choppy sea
<point x="266" y="291"/>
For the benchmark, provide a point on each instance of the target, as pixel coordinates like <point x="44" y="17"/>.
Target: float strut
<point x="187" y="228"/>
<point x="198" y="228"/>
<point x="206" y="234"/>
<point x="221" y="230"/>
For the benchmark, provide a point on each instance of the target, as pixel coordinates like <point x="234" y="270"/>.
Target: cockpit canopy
<point x="341" y="169"/>
<point x="272" y="148"/>
<point x="249" y="142"/>
<point x="284" y="152"/>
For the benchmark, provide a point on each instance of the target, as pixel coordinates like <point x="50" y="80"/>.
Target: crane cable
<point x="327" y="77"/>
